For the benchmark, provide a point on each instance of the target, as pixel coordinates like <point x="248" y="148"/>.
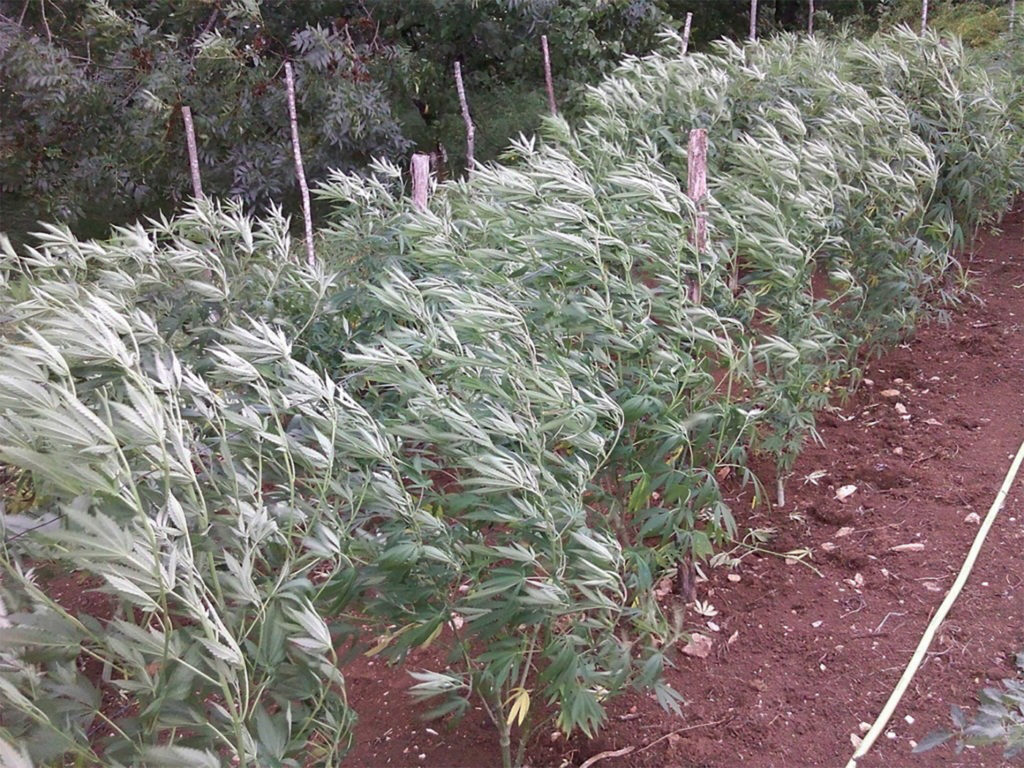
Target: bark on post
<point x="547" y="75"/>
<point x="300" y="171"/>
<point x="753" y="20"/>
<point x="470" y="129"/>
<point x="696" y="190"/>
<point x="924" y="16"/>
<point x="420" y="180"/>
<point x="1013" y="14"/>
<point x="686" y="33"/>
<point x="193" y="155"/>
<point x="810" y="17"/>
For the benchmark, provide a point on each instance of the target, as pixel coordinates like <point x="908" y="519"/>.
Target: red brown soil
<point x="814" y="656"/>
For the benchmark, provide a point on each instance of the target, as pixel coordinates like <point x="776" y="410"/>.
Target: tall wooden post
<point x="1013" y="14"/>
<point x="696" y="190"/>
<point x="552" y="106"/>
<point x="924" y="16"/>
<point x="686" y="33"/>
<point x="300" y="171"/>
<point x="810" y="17"/>
<point x="470" y="128"/>
<point x="420" y="180"/>
<point x="753" y="20"/>
<point x="193" y="154"/>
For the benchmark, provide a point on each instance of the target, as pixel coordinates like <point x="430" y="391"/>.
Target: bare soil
<point x="800" y="660"/>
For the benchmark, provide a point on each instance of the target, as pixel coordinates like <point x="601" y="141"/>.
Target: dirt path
<point x="800" y="660"/>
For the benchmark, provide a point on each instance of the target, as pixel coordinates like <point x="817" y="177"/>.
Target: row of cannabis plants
<point x="491" y="426"/>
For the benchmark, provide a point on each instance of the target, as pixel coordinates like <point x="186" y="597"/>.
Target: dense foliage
<point x="91" y="90"/>
<point x="90" y="115"/>
<point x="492" y="426"/>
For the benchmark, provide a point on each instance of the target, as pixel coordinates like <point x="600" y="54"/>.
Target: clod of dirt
<point x="973" y="517"/>
<point x="965" y="422"/>
<point x="699" y="646"/>
<point x="890" y="393"/>
<point x="830" y="515"/>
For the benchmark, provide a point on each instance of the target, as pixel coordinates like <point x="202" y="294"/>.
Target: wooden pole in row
<point x="753" y="20"/>
<point x="697" y="190"/>
<point x="686" y="33"/>
<point x="1013" y="14"/>
<point x="924" y="16"/>
<point x="193" y="154"/>
<point x="552" y="106"/>
<point x="470" y="128"/>
<point x="300" y="171"/>
<point x="420" y="167"/>
<point x="810" y="17"/>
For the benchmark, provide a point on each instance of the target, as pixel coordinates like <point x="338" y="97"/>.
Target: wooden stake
<point x="193" y="155"/>
<point x="686" y="33"/>
<point x="810" y="17"/>
<point x="470" y="129"/>
<point x="753" y="20"/>
<point x="924" y="16"/>
<point x="697" y="189"/>
<point x="300" y="171"/>
<point x="1013" y="14"/>
<point x="420" y="180"/>
<point x="547" y="75"/>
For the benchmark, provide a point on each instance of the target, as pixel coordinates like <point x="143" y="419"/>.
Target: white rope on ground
<point x="940" y="615"/>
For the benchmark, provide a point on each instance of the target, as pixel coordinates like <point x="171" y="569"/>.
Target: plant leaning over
<point x="376" y="528"/>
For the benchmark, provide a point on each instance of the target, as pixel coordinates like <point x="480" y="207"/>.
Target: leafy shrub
<point x="998" y="720"/>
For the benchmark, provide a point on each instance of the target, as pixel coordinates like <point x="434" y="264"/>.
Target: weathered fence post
<point x="1013" y="14"/>
<point x="810" y="17"/>
<point x="686" y="33"/>
<point x="696" y="190"/>
<point x="420" y="180"/>
<point x="924" y="16"/>
<point x="547" y="75"/>
<point x="470" y="128"/>
<point x="753" y="20"/>
<point x="300" y="171"/>
<point x="193" y="154"/>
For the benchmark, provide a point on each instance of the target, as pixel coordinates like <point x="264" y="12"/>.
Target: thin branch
<point x="193" y="155"/>
<point x="46" y="25"/>
<point x="547" y="75"/>
<point x="289" y="79"/>
<point x="470" y="129"/>
<point x="628" y="750"/>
